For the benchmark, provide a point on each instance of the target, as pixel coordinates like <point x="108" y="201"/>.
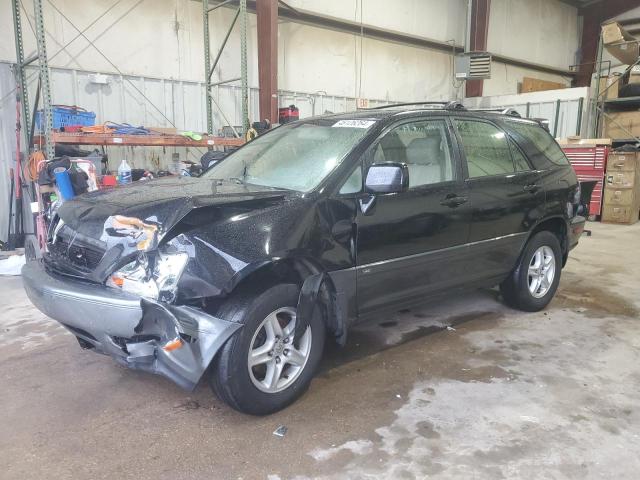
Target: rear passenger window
<point x="542" y="140"/>
<point x="424" y="146"/>
<point x="486" y="148"/>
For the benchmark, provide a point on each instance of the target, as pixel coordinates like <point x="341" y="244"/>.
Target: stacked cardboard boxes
<point x="622" y="124"/>
<point x="622" y="188"/>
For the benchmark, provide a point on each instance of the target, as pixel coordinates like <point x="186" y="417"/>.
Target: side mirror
<point x="387" y="178"/>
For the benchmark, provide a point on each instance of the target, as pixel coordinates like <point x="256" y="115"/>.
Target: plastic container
<point x="63" y="181"/>
<point x="288" y="114"/>
<point x="64" y="115"/>
<point x="124" y="173"/>
<point x="109" y="181"/>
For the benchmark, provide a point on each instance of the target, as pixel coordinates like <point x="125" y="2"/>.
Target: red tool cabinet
<point x="589" y="162"/>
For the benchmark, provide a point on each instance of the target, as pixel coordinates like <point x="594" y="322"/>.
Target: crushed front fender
<point x="182" y="341"/>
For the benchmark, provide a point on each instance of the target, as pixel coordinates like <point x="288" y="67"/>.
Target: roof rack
<point x="512" y="112"/>
<point x="448" y="105"/>
<point x="453" y="105"/>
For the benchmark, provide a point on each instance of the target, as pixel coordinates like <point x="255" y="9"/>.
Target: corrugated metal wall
<point x="570" y="105"/>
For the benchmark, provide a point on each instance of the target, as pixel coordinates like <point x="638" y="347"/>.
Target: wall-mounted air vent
<point x="473" y="66"/>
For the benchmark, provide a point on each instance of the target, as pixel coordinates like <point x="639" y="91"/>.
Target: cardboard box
<point x="536" y="85"/>
<point x="621" y="179"/>
<point x="623" y="162"/>
<point x="622" y="124"/>
<point x="620" y="43"/>
<point x="164" y="130"/>
<point x="616" y="214"/>
<point x="625" y="197"/>
<point x="609" y="87"/>
<point x="634" y="78"/>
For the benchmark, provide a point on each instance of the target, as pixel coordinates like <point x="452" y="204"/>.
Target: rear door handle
<point x="531" y="188"/>
<point x="453" y="201"/>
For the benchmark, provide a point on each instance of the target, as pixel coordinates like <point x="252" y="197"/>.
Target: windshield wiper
<point x="238" y="180"/>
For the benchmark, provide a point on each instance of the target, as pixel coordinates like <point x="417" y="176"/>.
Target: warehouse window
<point x="542" y="140"/>
<point x="425" y="148"/>
<point x="486" y="148"/>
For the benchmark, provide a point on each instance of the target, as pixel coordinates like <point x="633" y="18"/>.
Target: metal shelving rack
<point x="209" y="66"/>
<point x="601" y="107"/>
<point x="44" y="86"/>
<point x="48" y="138"/>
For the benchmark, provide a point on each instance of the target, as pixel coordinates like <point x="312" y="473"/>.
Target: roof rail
<point x="446" y="105"/>
<point x="512" y="112"/>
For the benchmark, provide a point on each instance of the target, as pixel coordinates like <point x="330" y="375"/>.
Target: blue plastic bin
<point x="64" y="115"/>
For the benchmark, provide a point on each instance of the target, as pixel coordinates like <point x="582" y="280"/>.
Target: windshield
<point x="294" y="157"/>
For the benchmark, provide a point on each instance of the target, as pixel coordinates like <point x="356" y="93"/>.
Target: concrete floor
<point x="502" y="394"/>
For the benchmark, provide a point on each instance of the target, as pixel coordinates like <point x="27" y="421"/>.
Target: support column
<point x="244" y="82"/>
<point x="45" y="82"/>
<point x="207" y="65"/>
<point x="267" y="11"/>
<point x="20" y="73"/>
<point x="479" y="31"/>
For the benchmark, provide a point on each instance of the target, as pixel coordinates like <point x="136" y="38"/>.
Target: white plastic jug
<point x="124" y="173"/>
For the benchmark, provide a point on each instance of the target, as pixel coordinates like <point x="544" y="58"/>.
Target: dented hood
<point x="161" y="203"/>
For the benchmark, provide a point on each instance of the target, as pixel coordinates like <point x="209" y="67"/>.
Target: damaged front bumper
<point x="177" y="342"/>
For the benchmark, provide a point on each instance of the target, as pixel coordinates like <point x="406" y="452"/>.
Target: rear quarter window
<point x="541" y="140"/>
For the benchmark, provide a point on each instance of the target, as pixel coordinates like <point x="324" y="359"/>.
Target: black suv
<point x="303" y="231"/>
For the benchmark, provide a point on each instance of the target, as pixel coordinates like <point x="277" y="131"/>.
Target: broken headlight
<point x="167" y="271"/>
<point x="157" y="283"/>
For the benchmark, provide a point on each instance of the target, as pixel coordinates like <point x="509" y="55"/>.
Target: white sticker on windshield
<point x="354" y="123"/>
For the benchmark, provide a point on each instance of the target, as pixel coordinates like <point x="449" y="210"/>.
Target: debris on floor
<point x="281" y="431"/>
<point x="12" y="265"/>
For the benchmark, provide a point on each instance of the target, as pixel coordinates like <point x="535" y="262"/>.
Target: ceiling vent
<point x="473" y="66"/>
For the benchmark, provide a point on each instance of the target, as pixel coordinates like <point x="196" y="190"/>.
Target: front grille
<point x="71" y="250"/>
<point x="84" y="257"/>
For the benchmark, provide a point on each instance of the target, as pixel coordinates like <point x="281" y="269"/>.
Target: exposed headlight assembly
<point x="167" y="272"/>
<point x="159" y="283"/>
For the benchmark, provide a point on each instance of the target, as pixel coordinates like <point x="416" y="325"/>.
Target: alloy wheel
<point x="274" y="362"/>
<point x="542" y="271"/>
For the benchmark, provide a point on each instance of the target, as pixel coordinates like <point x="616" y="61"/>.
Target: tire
<point x="246" y="390"/>
<point x="532" y="293"/>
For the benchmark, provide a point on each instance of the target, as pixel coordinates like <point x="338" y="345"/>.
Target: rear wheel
<point x="534" y="282"/>
<point x="262" y="369"/>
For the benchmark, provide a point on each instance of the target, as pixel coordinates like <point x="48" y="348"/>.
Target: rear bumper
<point x="576" y="227"/>
<point x="130" y="329"/>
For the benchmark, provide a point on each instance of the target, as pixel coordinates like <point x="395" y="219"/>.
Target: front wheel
<point x="533" y="283"/>
<point x="261" y="369"/>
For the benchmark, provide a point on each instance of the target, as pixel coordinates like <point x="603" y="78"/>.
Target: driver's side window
<point x="424" y="146"/>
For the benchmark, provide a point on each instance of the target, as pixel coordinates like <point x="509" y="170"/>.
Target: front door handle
<point x="531" y="188"/>
<point x="453" y="201"/>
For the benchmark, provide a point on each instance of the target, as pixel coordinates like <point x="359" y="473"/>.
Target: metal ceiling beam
<point x="382" y="34"/>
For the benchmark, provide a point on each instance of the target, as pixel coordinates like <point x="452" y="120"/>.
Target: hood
<point x="151" y="209"/>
